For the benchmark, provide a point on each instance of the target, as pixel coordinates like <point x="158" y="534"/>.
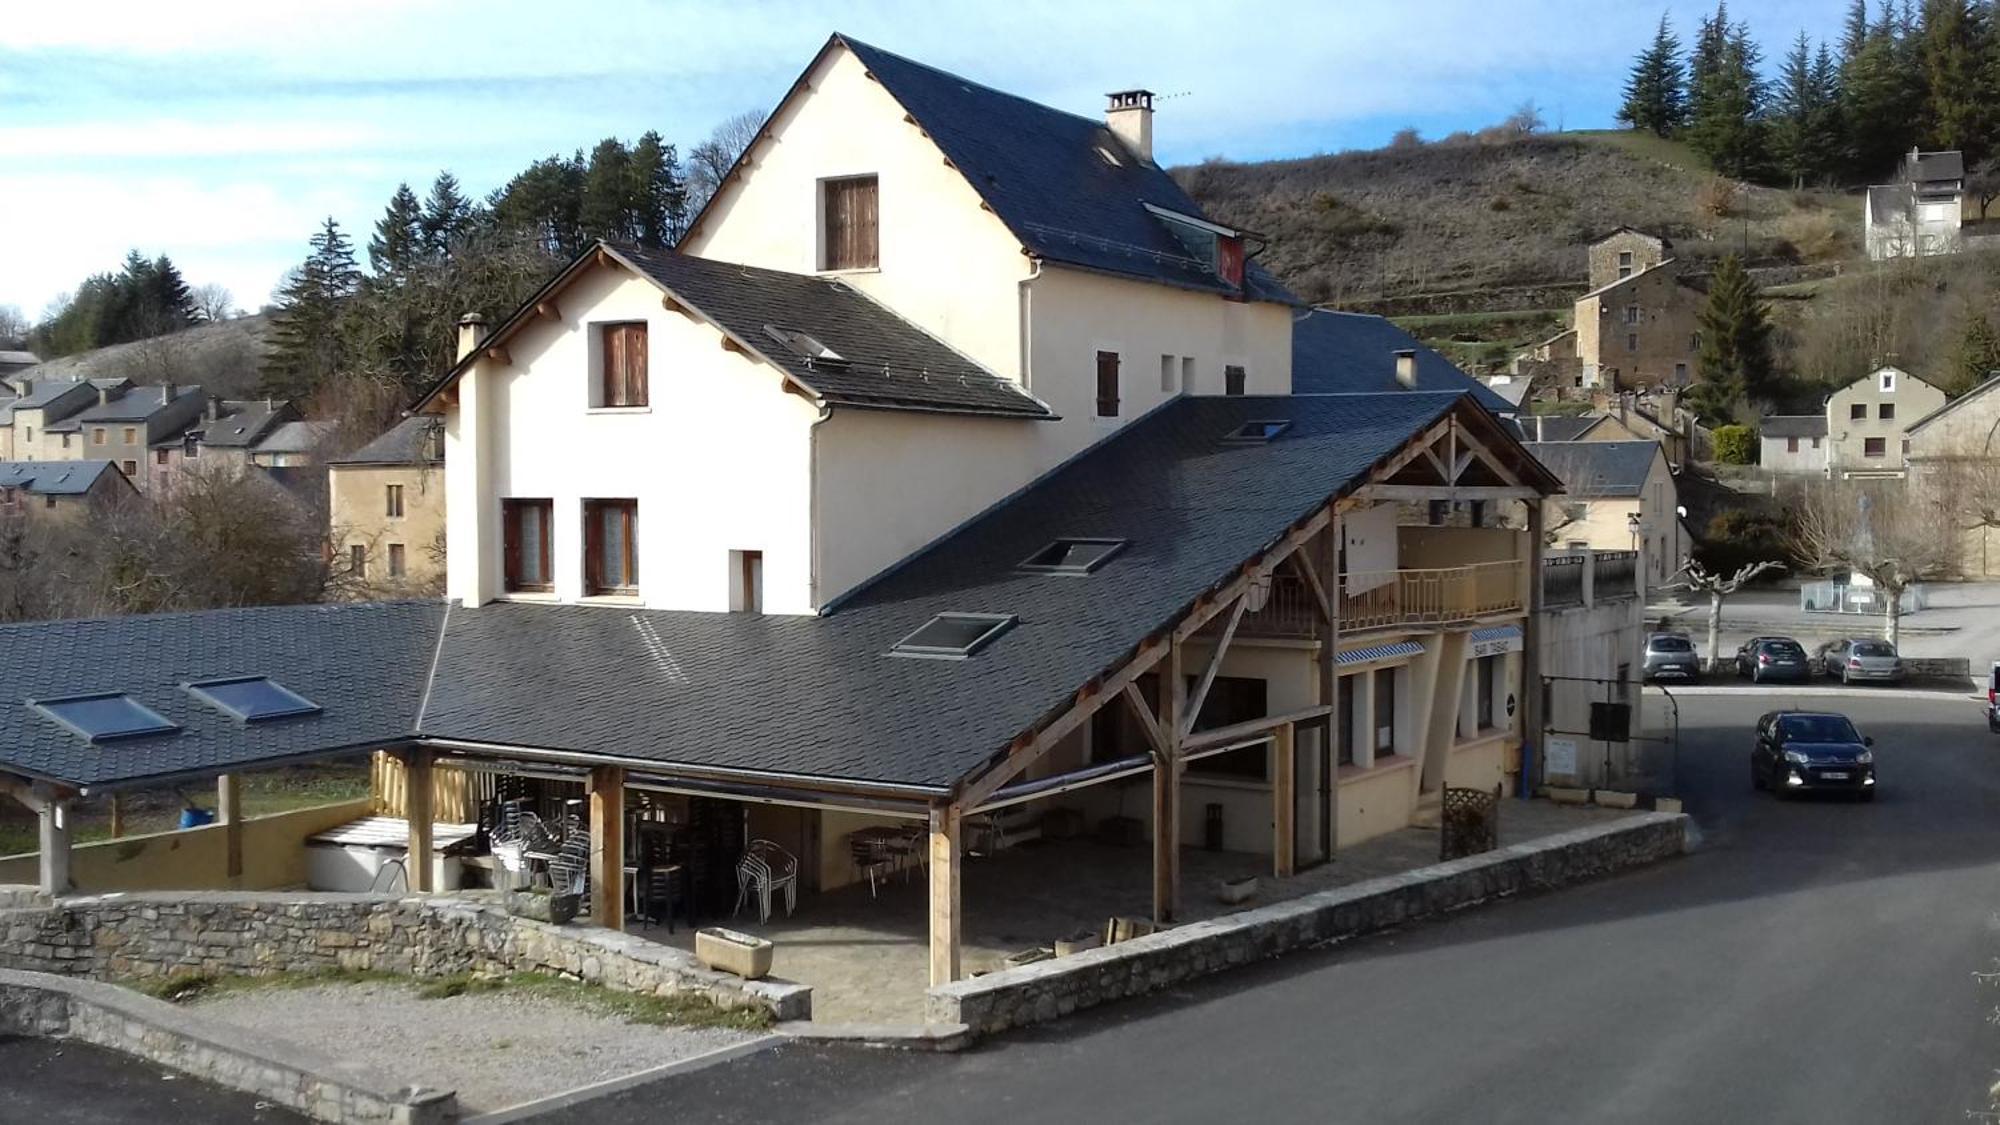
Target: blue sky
<point x="220" y="133"/>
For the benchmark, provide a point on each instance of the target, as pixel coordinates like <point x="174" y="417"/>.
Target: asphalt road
<point x="1812" y="962"/>
<point x="51" y="1083"/>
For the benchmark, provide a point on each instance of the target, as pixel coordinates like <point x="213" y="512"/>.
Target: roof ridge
<point x="851" y="42"/>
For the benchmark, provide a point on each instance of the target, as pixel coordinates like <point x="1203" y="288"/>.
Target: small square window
<point x="131" y="435"/>
<point x="525" y="533"/>
<point x="159" y="457"/>
<point x="1857" y="411"/>
<point x="1886" y="412"/>
<point x="610" y="545"/>
<point x="1874" y="447"/>
<point x="954" y="636"/>
<point x="357" y="560"/>
<point x="1233" y="379"/>
<point x="1631" y="341"/>
<point x="252" y="699"/>
<point x="104" y="716"/>
<point x="1888" y="382"/>
<point x="1258" y="431"/>
<point x="1073" y="556"/>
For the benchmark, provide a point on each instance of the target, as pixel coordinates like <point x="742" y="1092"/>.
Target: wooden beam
<point x="54" y="843"/>
<point x="1284" y="802"/>
<point x="1167" y="794"/>
<point x="417" y="811"/>
<point x="1459" y="466"/>
<point x="117" y="815"/>
<point x="229" y="813"/>
<point x="1532" y="719"/>
<point x="548" y="309"/>
<point x="499" y="355"/>
<point x="30" y="796"/>
<point x="1493" y="460"/>
<point x="674" y="306"/>
<point x="1444" y="474"/>
<point x="1328" y="668"/>
<point x="1307" y="571"/>
<point x="1149" y="723"/>
<point x="1251" y="728"/>
<point x="1447" y="492"/>
<point x="729" y="344"/>
<point x="1214" y="665"/>
<point x="607" y="847"/>
<point x="945" y="904"/>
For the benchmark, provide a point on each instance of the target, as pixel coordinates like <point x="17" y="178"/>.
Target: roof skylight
<point x="954" y="636"/>
<point x="1259" y="430"/>
<point x="1073" y="556"/>
<point x="103" y="716"/>
<point x="252" y="699"/>
<point x="804" y="345"/>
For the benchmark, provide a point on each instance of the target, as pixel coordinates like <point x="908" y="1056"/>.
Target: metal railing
<point x="1617" y="574"/>
<point x="1562" y="580"/>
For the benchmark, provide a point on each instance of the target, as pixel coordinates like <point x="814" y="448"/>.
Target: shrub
<point x="1738" y="537"/>
<point x="1716" y="197"/>
<point x="1736" y="445"/>
<point x="1500" y="203"/>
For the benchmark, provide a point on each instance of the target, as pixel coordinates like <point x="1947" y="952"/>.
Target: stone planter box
<point x="555" y="909"/>
<point x="1233" y="891"/>
<point x="731" y="951"/>
<point x="1028" y="957"/>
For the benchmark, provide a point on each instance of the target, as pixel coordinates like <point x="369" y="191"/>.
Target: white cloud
<point x="178" y="139"/>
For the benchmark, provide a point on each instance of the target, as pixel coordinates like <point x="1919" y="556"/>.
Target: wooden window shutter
<point x="635" y="365"/>
<point x="1107" y="384"/>
<point x="510" y="532"/>
<point x="593" y="548"/>
<point x="852" y="223"/>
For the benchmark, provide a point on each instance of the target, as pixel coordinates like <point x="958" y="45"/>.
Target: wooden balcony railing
<point x="1439" y="596"/>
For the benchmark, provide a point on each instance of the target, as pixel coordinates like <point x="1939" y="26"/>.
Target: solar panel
<point x="104" y="716"/>
<point x="252" y="699"/>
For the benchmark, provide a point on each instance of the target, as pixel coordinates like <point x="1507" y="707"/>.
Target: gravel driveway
<point x="497" y="1049"/>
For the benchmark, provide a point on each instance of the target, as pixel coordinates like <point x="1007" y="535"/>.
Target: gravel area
<point x="497" y="1049"/>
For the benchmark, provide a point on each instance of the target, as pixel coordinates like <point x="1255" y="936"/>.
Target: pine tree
<point x="446" y="214"/>
<point x="1955" y="49"/>
<point x="399" y="239"/>
<point x="1736" y="335"/>
<point x="1978" y="355"/>
<point x="1854" y="33"/>
<point x="1804" y="119"/>
<point x="659" y="193"/>
<point x="171" y="300"/>
<point x="1882" y="100"/>
<point x="306" y="346"/>
<point x="606" y="207"/>
<point x="546" y="201"/>
<point x="1655" y="95"/>
<point x="1726" y="98"/>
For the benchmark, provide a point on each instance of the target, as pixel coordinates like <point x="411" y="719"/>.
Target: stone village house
<point x="957" y="473"/>
<point x="1636" y="329"/>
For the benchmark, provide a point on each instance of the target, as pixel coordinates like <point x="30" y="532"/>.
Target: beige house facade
<point x="1617" y="496"/>
<point x="385" y="508"/>
<point x="1866" y="421"/>
<point x="1953" y="463"/>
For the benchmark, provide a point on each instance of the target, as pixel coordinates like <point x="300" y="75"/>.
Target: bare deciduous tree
<point x="14" y="326"/>
<point x="710" y="161"/>
<point x="1876" y="531"/>
<point x="1696" y="579"/>
<point x="215" y="302"/>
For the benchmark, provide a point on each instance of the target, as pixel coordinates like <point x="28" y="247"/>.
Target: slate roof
<point x="1555" y="427"/>
<point x="295" y="437"/>
<point x="1793" y="425"/>
<point x="46" y="391"/>
<point x="364" y="664"/>
<point x="1930" y="167"/>
<point x="1598" y="469"/>
<point x="52" y="478"/>
<point x="1355" y="353"/>
<point x="412" y="441"/>
<point x="889" y="362"/>
<point x="822" y="696"/>
<point x="243" y="423"/>
<point x="135" y="405"/>
<point x="1040" y="171"/>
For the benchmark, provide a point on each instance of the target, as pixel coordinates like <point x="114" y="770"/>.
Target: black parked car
<point x="1773" y="658"/>
<point x="1801" y="751"/>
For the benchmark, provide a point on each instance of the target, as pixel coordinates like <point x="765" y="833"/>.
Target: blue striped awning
<point x="1496" y="633"/>
<point x="1380" y="652"/>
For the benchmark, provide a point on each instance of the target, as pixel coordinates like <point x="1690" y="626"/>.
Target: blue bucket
<point x="192" y="817"/>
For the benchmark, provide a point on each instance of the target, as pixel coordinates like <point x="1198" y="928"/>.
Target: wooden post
<point x="1532" y="719"/>
<point x="1167" y="792"/>
<point x="945" y="894"/>
<point x="117" y="815"/>
<point x="607" y="847"/>
<point x="417" y="810"/>
<point x="229" y="813"/>
<point x="1284" y="785"/>
<point x="1329" y="683"/>
<point x="54" y="841"/>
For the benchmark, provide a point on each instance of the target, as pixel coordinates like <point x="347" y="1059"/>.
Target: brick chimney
<point x="471" y="330"/>
<point x="1130" y="116"/>
<point x="1406" y="366"/>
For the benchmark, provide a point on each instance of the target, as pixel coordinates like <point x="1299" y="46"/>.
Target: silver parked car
<point x="1671" y="656"/>
<point x="1862" y="658"/>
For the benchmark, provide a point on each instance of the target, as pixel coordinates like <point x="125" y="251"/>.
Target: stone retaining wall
<point x="1047" y="990"/>
<point x="38" y="1004"/>
<point x="127" y="936"/>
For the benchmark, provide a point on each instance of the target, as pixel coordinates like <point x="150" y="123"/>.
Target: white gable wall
<point x="718" y="461"/>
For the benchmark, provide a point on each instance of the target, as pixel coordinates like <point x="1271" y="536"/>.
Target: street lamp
<point x="1632" y="525"/>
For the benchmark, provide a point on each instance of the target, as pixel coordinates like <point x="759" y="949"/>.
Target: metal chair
<point x="871" y="858"/>
<point x="764" y="868"/>
<point x="569" y="871"/>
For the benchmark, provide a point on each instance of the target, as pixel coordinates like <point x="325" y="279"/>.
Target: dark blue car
<point x="1812" y="751"/>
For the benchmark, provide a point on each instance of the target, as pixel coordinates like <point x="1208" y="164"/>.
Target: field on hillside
<point x="1471" y="214"/>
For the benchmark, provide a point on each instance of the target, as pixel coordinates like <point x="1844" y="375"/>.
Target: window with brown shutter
<point x="623" y="376"/>
<point x="1107" y="384"/>
<point x="610" y="546"/>
<point x="525" y="533"/>
<point x="851" y="224"/>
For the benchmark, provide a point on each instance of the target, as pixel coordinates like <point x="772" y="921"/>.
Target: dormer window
<point x="1888" y="382"/>
<point x="849" y="235"/>
<point x="1258" y="432"/>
